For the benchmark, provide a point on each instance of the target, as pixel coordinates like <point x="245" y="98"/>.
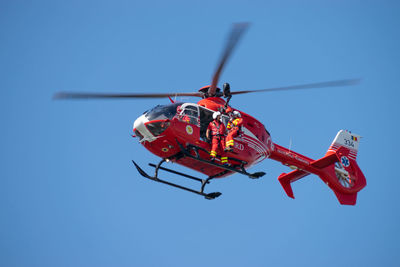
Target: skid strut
<point x="156" y="179"/>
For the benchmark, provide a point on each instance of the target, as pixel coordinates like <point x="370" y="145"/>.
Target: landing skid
<point x="156" y="179"/>
<point x="238" y="168"/>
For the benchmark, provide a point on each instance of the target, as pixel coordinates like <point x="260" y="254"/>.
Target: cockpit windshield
<point x="162" y="112"/>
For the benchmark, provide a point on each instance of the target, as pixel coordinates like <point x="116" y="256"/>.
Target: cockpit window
<point x="162" y="112"/>
<point x="139" y="135"/>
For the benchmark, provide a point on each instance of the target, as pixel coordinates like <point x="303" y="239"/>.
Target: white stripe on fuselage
<point x="254" y="142"/>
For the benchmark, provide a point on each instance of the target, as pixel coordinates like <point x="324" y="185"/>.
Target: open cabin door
<point x="206" y="118"/>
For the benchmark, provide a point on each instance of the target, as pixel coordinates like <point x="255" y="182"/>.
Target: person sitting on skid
<point x="235" y="128"/>
<point x="216" y="133"/>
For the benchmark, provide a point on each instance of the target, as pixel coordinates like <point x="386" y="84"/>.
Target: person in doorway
<point x="216" y="133"/>
<point x="234" y="128"/>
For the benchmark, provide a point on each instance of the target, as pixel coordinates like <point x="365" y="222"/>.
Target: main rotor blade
<point x="234" y="36"/>
<point x="70" y="95"/>
<point x="337" y="83"/>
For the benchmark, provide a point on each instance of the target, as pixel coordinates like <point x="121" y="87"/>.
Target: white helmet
<point x="237" y="113"/>
<point x="216" y="114"/>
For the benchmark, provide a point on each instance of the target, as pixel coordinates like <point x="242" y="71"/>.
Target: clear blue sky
<point x="69" y="194"/>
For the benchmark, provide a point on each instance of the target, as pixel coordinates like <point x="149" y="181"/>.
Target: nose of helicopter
<point x="140" y="129"/>
<point x="155" y="121"/>
<point x="148" y="130"/>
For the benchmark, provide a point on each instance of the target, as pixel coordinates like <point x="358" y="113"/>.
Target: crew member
<point x="216" y="132"/>
<point x="235" y="128"/>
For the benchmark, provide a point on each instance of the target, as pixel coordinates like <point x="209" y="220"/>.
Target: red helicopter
<point x="177" y="133"/>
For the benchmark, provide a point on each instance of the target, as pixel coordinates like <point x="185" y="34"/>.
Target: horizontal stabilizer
<point x="338" y="169"/>
<point x="287" y="178"/>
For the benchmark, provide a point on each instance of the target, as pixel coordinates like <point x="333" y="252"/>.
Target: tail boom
<point x="338" y="169"/>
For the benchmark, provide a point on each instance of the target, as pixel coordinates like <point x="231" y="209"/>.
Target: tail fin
<point x="348" y="140"/>
<point x="338" y="169"/>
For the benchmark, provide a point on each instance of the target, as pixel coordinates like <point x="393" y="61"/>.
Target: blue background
<point x="69" y="194"/>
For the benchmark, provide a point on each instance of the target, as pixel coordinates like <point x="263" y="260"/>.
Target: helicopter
<point x="176" y="133"/>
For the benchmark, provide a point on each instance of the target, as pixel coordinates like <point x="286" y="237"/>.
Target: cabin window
<point x="189" y="114"/>
<point x="191" y="111"/>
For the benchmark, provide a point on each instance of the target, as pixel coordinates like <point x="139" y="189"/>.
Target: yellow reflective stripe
<point x="213" y="153"/>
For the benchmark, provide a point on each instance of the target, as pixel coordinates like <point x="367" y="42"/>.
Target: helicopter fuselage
<point x="161" y="130"/>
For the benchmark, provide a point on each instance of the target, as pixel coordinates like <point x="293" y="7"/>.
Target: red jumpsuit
<point x="234" y="128"/>
<point x="217" y="130"/>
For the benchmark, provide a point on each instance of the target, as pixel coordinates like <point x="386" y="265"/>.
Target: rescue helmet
<point x="237" y="114"/>
<point x="216" y="114"/>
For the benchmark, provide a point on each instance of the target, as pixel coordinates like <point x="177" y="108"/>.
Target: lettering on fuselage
<point x="239" y="146"/>
<point x="302" y="160"/>
<point x="293" y="156"/>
